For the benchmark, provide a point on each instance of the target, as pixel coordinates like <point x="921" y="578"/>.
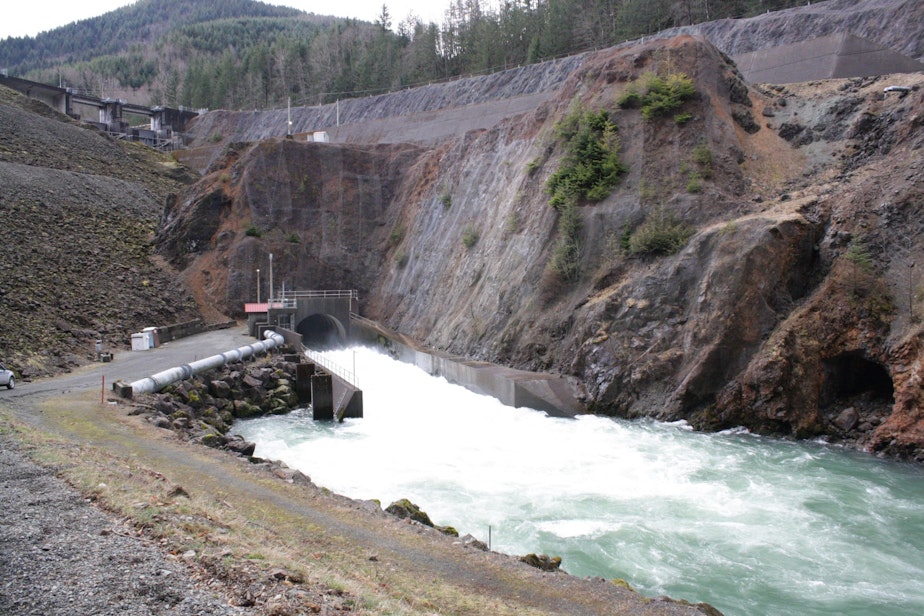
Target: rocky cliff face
<point x="792" y="309"/>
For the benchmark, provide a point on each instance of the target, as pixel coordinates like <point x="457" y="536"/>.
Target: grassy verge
<point x="241" y="522"/>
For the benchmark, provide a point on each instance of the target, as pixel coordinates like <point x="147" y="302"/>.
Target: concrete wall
<point x="166" y="333"/>
<point x="552" y="393"/>
<point x="336" y="307"/>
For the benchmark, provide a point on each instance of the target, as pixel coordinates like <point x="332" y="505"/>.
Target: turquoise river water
<point x="749" y="524"/>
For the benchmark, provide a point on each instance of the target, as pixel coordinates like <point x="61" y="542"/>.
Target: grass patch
<point x="469" y="237"/>
<point x="396" y="236"/>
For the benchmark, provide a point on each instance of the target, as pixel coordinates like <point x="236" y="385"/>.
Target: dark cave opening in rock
<point x="321" y="331"/>
<point x="849" y="375"/>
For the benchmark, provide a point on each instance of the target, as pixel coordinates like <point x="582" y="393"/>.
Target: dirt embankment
<point x="78" y="214"/>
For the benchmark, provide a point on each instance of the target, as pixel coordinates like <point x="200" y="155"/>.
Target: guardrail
<point x="347" y="375"/>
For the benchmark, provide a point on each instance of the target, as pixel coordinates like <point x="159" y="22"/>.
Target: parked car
<point x="6" y="378"/>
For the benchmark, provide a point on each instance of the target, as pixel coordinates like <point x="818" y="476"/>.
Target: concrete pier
<point x="303" y="373"/>
<point x="322" y="397"/>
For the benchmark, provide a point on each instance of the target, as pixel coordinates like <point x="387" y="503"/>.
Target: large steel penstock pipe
<point x="158" y="381"/>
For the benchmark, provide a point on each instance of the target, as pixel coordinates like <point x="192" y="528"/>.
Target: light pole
<point x="911" y="292"/>
<point x="258" y="285"/>
<point x="271" y="277"/>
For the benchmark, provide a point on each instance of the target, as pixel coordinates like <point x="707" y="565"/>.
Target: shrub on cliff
<point x="660" y="234"/>
<point x="659" y="96"/>
<point x="566" y="258"/>
<point x="591" y="168"/>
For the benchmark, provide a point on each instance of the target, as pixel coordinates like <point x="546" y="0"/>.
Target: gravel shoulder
<point x="121" y="517"/>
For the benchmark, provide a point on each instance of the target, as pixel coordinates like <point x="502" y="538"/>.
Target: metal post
<point x="258" y="285"/>
<point x="911" y="293"/>
<point x="271" y="277"/>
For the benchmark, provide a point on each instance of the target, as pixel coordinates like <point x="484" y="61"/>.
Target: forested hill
<point x="118" y="31"/>
<point x="243" y="54"/>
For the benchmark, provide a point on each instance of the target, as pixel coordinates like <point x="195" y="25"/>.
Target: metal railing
<point x="347" y="375"/>
<point x="282" y="302"/>
<point x="351" y="293"/>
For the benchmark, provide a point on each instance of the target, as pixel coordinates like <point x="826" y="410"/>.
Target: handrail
<point x="351" y="293"/>
<point x="347" y="375"/>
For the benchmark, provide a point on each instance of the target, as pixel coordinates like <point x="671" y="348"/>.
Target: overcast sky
<point x="29" y="17"/>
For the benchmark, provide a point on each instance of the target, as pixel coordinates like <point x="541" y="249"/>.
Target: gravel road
<point x="61" y="555"/>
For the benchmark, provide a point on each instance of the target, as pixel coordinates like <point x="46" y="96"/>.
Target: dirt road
<point x="263" y="544"/>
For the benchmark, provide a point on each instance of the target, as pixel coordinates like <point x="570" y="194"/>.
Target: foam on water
<point x="749" y="524"/>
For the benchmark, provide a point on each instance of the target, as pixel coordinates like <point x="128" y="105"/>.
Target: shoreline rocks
<point x="204" y="407"/>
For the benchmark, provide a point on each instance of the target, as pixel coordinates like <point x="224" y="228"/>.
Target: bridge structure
<point x="165" y="122"/>
<point x="309" y="321"/>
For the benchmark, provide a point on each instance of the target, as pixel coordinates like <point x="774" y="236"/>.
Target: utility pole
<point x="258" y="285"/>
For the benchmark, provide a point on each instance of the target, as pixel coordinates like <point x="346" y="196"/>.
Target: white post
<point x="258" y="285"/>
<point x="271" y="277"/>
<point x="289" y="125"/>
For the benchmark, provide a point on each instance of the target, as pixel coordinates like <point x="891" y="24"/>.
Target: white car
<point x="6" y="378"/>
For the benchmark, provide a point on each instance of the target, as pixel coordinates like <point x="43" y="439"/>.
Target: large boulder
<point x="406" y="509"/>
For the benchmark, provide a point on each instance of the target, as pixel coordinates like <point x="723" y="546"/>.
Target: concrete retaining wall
<point x="552" y="393"/>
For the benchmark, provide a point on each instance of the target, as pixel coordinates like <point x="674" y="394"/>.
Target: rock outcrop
<point x="763" y="318"/>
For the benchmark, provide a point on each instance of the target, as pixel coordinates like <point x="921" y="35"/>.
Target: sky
<point x="31" y="17"/>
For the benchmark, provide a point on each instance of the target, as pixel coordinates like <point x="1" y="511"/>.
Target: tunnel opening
<point x="321" y="331"/>
<point x="850" y="375"/>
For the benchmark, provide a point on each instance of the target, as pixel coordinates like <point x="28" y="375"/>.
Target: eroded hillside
<point x="790" y="309"/>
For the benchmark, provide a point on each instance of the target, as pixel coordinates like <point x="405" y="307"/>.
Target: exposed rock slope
<point x="761" y="320"/>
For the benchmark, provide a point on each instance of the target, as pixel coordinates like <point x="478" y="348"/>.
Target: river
<point x="750" y="524"/>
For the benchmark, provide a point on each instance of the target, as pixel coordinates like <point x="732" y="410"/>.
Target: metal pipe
<point x="158" y="381"/>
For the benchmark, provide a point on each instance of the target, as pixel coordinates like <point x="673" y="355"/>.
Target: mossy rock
<point x="623" y="584"/>
<point x="406" y="509"/>
<point x="448" y="530"/>
<point x="212" y="440"/>
<point x="246" y="409"/>
<point x="542" y="561"/>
